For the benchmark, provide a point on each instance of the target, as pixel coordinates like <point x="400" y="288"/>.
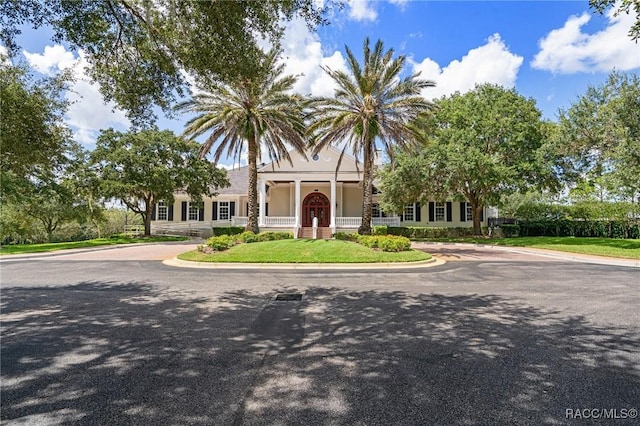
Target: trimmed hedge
<point x="224" y="242"/>
<point x="227" y="230"/>
<point x="415" y="232"/>
<point x="382" y="242"/>
<point x="573" y="228"/>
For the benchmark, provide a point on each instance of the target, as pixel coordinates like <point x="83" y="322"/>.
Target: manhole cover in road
<point x="286" y="297"/>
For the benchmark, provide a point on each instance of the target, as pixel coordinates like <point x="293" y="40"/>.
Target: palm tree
<point x="257" y="114"/>
<point x="372" y="104"/>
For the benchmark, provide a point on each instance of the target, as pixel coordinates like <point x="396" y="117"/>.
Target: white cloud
<point x="87" y="113"/>
<point x="400" y="3"/>
<point x="361" y="10"/>
<point x="54" y="59"/>
<point x="303" y="56"/>
<point x="489" y="63"/>
<point x="569" y="50"/>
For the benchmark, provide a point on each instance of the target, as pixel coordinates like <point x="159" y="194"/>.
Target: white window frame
<point x="224" y="210"/>
<point x="409" y="213"/>
<point x="375" y="210"/>
<point x="440" y="211"/>
<point x="163" y="211"/>
<point x="469" y="212"/>
<point x="193" y="213"/>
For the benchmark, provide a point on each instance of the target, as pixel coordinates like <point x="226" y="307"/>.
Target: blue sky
<point x="548" y="50"/>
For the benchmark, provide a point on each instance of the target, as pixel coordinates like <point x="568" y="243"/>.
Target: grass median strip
<point x="97" y="242"/>
<point x="304" y="251"/>
<point x="628" y="249"/>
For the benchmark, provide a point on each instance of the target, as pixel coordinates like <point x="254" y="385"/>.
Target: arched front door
<point x="317" y="205"/>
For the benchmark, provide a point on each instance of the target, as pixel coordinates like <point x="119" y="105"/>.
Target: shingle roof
<point x="239" y="179"/>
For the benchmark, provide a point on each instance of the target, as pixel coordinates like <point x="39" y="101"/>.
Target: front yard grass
<point x="304" y="251"/>
<point x="46" y="247"/>
<point x="628" y="249"/>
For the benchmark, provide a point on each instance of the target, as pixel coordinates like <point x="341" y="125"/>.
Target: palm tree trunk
<point x="367" y="197"/>
<point x="476" y="208"/>
<point x="252" y="193"/>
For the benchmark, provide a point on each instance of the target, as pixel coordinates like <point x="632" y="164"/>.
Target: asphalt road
<point x="491" y="338"/>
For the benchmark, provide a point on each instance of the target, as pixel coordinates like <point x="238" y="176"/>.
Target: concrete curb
<point x="304" y="266"/>
<point x="561" y="255"/>
<point x="67" y="252"/>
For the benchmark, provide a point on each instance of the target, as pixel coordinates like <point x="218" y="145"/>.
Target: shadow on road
<point x="108" y="353"/>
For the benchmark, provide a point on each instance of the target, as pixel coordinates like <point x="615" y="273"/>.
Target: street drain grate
<point x="287" y="297"/>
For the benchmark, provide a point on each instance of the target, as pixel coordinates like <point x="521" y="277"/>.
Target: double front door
<point x="317" y="205"/>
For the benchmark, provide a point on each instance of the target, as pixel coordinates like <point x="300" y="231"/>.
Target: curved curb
<point x="553" y="254"/>
<point x="304" y="266"/>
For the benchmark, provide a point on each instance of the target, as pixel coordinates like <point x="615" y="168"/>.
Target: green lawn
<point x="46" y="247"/>
<point x="304" y="251"/>
<point x="629" y="249"/>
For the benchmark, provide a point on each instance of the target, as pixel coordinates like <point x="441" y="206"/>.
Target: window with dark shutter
<point x="449" y="213"/>
<point x="418" y="213"/>
<point x="432" y="211"/>
<point x="214" y="212"/>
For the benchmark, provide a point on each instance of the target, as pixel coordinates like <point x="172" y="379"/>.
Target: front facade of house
<point x="297" y="197"/>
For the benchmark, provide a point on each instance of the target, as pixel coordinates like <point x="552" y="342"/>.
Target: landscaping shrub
<point x="382" y="242"/>
<point x="510" y="230"/>
<point x="579" y="228"/>
<point x="273" y="236"/>
<point x="380" y="230"/>
<point x="394" y="243"/>
<point x="222" y="242"/>
<point x="346" y="236"/>
<point x="227" y="230"/>
<point x="422" y="232"/>
<point x="248" y="237"/>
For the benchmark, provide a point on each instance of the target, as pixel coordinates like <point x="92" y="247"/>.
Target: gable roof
<point x="326" y="161"/>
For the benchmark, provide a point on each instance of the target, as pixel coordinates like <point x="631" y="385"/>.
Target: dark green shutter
<point x="449" y="213"/>
<point x="184" y="211"/>
<point x="214" y="212"/>
<point x="266" y="209"/>
<point x="170" y="212"/>
<point x="418" y="216"/>
<point x="153" y="212"/>
<point x="232" y="209"/>
<point x="432" y="211"/>
<point x="463" y="212"/>
<point x="201" y="213"/>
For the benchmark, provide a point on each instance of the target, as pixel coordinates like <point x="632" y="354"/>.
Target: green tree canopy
<point x="138" y="50"/>
<point x="259" y="114"/>
<point x="598" y="138"/>
<point x="142" y="168"/>
<point x="485" y="144"/>
<point x="621" y="6"/>
<point x="372" y="105"/>
<point x="34" y="141"/>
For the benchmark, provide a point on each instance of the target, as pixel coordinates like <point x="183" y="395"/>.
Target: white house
<point x="291" y="196"/>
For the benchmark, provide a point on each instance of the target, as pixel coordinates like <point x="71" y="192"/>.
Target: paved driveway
<point x="484" y="341"/>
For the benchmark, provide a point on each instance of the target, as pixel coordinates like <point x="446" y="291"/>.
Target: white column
<point x="333" y="205"/>
<point x="298" y="218"/>
<point x="262" y="199"/>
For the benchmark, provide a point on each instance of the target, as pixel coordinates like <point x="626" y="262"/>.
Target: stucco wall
<point x="352" y="201"/>
<point x="279" y="201"/>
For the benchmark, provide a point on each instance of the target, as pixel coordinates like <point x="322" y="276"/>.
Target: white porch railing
<point x="348" y="222"/>
<point x="389" y="221"/>
<point x="239" y="221"/>
<point x="279" y="220"/>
